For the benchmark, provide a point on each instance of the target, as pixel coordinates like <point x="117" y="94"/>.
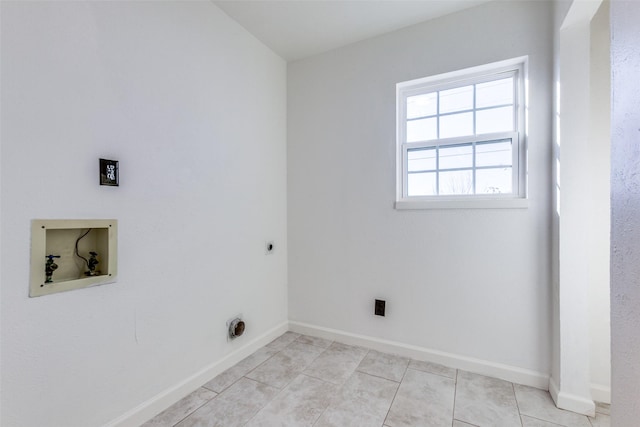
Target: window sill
<point x="516" y="203"/>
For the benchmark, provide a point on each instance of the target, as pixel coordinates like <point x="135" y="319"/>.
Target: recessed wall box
<point x="72" y="254"/>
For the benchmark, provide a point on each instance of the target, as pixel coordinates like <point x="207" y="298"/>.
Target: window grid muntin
<point x="514" y="74"/>
<point x="512" y="138"/>
<point x="493" y="107"/>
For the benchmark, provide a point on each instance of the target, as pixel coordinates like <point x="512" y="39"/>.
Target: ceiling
<point x="295" y="29"/>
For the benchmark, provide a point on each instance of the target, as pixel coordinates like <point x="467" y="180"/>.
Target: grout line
<point x="311" y="343"/>
<point x="260" y="364"/>
<point x="192" y="412"/>
<point x="225" y="388"/>
<point x="406" y="368"/>
<point x="455" y="395"/>
<point x="339" y="388"/>
<point x="243" y="375"/>
<point x="285" y="346"/>
<point x="217" y="392"/>
<point x="321" y="414"/>
<point x="432" y="373"/>
<point x="320" y="379"/>
<point x="268" y="385"/>
<point x="378" y="376"/>
<point x="464" y="422"/>
<point x="544" y="421"/>
<point x="266" y="403"/>
<point x="397" y="390"/>
<point x="298" y="373"/>
<point x="325" y="380"/>
<point x="326" y="407"/>
<point x="391" y="405"/>
<point x="513" y="388"/>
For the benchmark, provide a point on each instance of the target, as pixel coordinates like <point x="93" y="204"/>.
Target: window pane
<point x="456" y="182"/>
<point x="422" y="130"/>
<point x="497" y="92"/>
<point x="493" y="181"/>
<point x="422" y="105"/>
<point x="494" y="120"/>
<point x="456" y="156"/>
<point x="421" y="159"/>
<point x="456" y="125"/>
<point x="458" y="99"/>
<point x="494" y="153"/>
<point x="421" y="184"/>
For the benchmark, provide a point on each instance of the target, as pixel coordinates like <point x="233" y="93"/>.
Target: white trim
<point x="554" y="390"/>
<point x="505" y="203"/>
<point x="467" y="73"/>
<point x="146" y="410"/>
<point x="496" y="370"/>
<point x="571" y="402"/>
<point x="518" y="69"/>
<point x="601" y="393"/>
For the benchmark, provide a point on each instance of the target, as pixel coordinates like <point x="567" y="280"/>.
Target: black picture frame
<point x="109" y="173"/>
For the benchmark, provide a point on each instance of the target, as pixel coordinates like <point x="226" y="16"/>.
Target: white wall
<point x="472" y="283"/>
<point x="193" y="107"/>
<point x="625" y="213"/>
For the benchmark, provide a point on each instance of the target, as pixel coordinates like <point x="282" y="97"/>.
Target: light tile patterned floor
<point x="299" y="381"/>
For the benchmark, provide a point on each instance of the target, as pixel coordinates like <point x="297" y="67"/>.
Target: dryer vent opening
<point x="236" y="328"/>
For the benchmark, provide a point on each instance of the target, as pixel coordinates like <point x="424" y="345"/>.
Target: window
<point x="461" y="138"/>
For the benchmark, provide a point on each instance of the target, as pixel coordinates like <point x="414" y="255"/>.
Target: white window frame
<point x="518" y="198"/>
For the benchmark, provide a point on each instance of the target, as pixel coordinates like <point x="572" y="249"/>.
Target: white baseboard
<point x="483" y="367"/>
<point x="143" y="412"/>
<point x="601" y="393"/>
<point x="554" y="390"/>
<point x="571" y="402"/>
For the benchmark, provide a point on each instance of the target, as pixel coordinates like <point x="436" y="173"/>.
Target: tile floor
<point x="298" y="380"/>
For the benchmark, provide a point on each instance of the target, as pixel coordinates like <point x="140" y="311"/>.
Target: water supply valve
<point x="50" y="267"/>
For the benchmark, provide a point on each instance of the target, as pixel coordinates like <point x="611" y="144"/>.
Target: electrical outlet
<point x="379" y="307"/>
